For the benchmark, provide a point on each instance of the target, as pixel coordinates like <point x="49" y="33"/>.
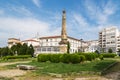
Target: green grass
<point x="61" y="68"/>
<point x="3" y="78"/>
<point x="66" y="68"/>
<point x="15" y="60"/>
<point x="85" y="69"/>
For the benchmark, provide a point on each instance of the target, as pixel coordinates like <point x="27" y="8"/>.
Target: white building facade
<point x="109" y="38"/>
<point x="93" y="45"/>
<point x="34" y="43"/>
<point x="13" y="41"/>
<point x="51" y="44"/>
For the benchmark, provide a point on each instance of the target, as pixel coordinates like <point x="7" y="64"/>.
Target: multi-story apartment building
<point x="109" y="39"/>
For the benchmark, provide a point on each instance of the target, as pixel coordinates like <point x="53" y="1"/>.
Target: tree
<point x="14" y="49"/>
<point x="118" y="51"/>
<point x="96" y="51"/>
<point x="23" y="49"/>
<point x="0" y="49"/>
<point x="10" y="52"/>
<point x="4" y="51"/>
<point x="18" y="50"/>
<point x="25" y="46"/>
<point x="68" y="47"/>
<point x="30" y="50"/>
<point x="110" y="50"/>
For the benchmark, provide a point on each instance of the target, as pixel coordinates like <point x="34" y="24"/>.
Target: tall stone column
<point x="63" y="42"/>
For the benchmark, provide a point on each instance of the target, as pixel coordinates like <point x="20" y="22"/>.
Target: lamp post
<point x="81" y="44"/>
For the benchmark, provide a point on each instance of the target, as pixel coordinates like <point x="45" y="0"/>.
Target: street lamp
<point x="81" y="44"/>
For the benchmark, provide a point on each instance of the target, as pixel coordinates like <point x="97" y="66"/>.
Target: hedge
<point x="55" y="58"/>
<point x="89" y="56"/>
<point x="82" y="58"/>
<point x="17" y="57"/>
<point x="108" y="55"/>
<point x="43" y="57"/>
<point x="65" y="58"/>
<point x="101" y="57"/>
<point x="74" y="58"/>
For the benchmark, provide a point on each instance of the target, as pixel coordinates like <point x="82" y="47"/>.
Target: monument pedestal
<point x="63" y="48"/>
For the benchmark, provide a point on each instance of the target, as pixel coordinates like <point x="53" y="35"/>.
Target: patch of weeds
<point x="3" y="78"/>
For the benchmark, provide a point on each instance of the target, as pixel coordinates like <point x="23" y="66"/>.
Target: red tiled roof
<point x="57" y="37"/>
<point x="47" y="37"/>
<point x="30" y="40"/>
<point x="13" y="39"/>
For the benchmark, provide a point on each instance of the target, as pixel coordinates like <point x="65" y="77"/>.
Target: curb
<point x="104" y="71"/>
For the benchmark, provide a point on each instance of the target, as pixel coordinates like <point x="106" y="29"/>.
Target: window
<point x="38" y="49"/>
<point x="112" y="36"/>
<point x="43" y="49"/>
<point x="48" y="49"/>
<point x="56" y="49"/>
<point x="118" y="45"/>
<point x="108" y="42"/>
<point x="118" y="39"/>
<point x="112" y="42"/>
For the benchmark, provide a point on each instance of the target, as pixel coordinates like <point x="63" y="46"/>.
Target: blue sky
<point x="85" y="18"/>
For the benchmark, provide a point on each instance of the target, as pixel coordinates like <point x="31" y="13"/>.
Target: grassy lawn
<point x="15" y="60"/>
<point x="61" y="68"/>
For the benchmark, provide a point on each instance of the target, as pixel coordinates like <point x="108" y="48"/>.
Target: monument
<point x="63" y="42"/>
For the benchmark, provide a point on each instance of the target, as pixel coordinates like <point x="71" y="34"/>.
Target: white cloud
<point x="22" y="10"/>
<point x="101" y="14"/>
<point x="36" y="2"/>
<point x="109" y="8"/>
<point x="79" y="19"/>
<point x="83" y="29"/>
<point x="25" y="28"/>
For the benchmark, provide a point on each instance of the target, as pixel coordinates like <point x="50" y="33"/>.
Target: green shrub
<point x="89" y="56"/>
<point x="17" y="57"/>
<point x="55" y="58"/>
<point x="108" y="55"/>
<point x="101" y="57"/>
<point x="74" y="58"/>
<point x="82" y="58"/>
<point x="43" y="57"/>
<point x="65" y="58"/>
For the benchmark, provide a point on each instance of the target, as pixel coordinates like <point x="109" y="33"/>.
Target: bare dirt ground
<point x="49" y="78"/>
<point x="12" y="73"/>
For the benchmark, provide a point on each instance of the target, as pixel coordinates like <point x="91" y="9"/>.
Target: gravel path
<point x="12" y="73"/>
<point x="10" y="63"/>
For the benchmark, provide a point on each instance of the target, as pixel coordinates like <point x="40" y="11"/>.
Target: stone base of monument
<point x="26" y="67"/>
